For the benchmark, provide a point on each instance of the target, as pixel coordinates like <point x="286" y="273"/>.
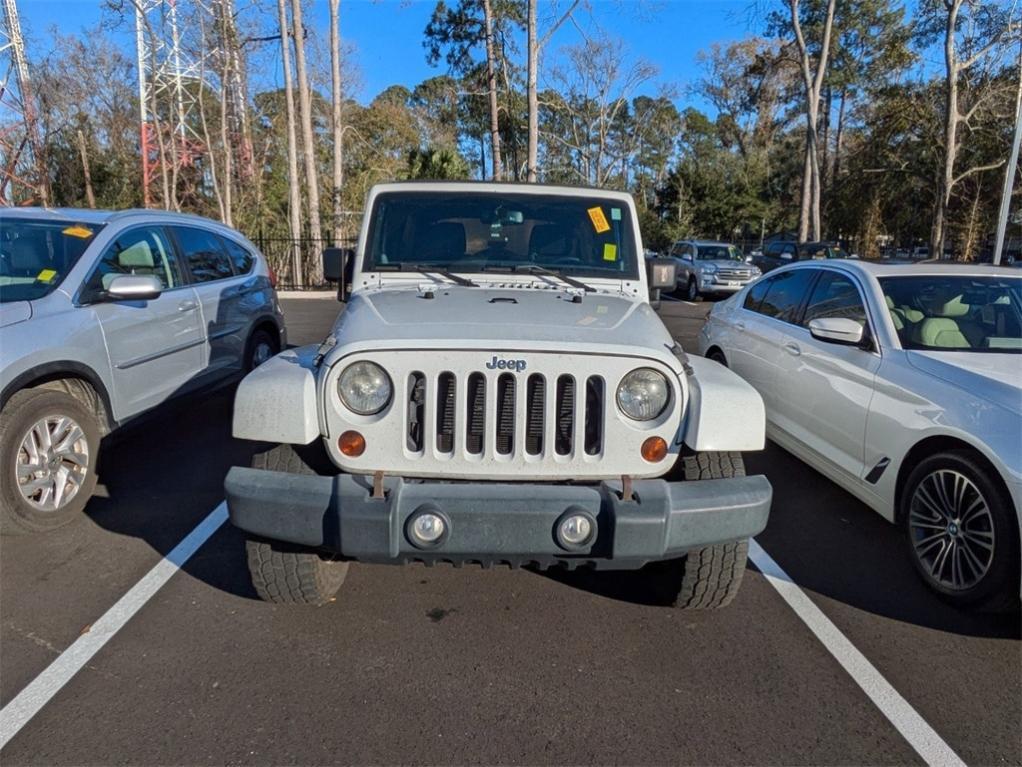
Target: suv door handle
<point x="740" y="325"/>
<point x="792" y="349"/>
<point x="187" y="306"/>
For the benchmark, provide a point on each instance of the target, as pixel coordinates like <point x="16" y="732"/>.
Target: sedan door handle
<point x="792" y="349"/>
<point x="187" y="306"/>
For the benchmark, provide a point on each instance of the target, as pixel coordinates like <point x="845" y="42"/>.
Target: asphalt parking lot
<point x="443" y="665"/>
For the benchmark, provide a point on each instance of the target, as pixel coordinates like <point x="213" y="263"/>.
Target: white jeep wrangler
<point x="497" y="391"/>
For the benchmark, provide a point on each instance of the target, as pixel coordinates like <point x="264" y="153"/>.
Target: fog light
<point x="426" y="527"/>
<point x="654" y="449"/>
<point x="351" y="444"/>
<point x="575" y="529"/>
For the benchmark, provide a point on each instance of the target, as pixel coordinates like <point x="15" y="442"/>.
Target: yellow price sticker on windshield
<point x="46" y="275"/>
<point x="599" y="220"/>
<point x="77" y="230"/>
<point x="610" y="252"/>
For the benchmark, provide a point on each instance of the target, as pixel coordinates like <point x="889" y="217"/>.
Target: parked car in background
<point x="904" y="386"/>
<point x="103" y="317"/>
<point x="782" y="252"/>
<point x="709" y="267"/>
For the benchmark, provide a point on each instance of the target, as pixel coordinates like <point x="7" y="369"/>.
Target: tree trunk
<point x="937" y="231"/>
<point x="338" y="129"/>
<point x="294" y="198"/>
<point x="533" y="154"/>
<point x="89" y="195"/>
<point x="491" y="85"/>
<point x="308" y="145"/>
<point x="807" y="198"/>
<point x="839" y="139"/>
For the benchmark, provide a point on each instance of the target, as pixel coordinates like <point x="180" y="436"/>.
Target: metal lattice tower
<point x="23" y="178"/>
<point x="169" y="78"/>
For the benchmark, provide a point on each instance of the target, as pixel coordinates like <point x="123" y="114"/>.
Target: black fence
<point x="298" y="262"/>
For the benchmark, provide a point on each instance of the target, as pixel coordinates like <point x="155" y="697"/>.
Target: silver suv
<point x="711" y="267"/>
<point x="104" y="316"/>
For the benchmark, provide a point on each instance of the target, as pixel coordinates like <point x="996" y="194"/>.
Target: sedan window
<point x="835" y="296"/>
<point x="786" y="293"/>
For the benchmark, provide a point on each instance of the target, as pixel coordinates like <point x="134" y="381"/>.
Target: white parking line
<point x="27" y="703"/>
<point x="906" y="720"/>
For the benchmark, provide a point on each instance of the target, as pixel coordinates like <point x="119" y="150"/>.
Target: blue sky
<point x="387" y="34"/>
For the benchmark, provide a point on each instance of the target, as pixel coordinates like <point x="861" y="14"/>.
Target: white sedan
<point x="902" y="384"/>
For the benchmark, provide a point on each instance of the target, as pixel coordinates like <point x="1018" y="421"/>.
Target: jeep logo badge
<point x="496" y="364"/>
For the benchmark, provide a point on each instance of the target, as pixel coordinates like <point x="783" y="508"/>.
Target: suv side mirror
<point x="134" y="287"/>
<point x="837" y="330"/>
<point x="338" y="266"/>
<point x="662" y="272"/>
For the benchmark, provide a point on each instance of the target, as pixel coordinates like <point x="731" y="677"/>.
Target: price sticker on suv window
<point x="599" y="220"/>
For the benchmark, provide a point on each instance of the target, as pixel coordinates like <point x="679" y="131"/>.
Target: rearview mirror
<point x="837" y="330"/>
<point x="134" y="287"/>
<point x="663" y="273"/>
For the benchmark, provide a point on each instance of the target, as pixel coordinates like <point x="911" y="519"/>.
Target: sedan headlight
<point x="643" y="394"/>
<point x="364" y="388"/>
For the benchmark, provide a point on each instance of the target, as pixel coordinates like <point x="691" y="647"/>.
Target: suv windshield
<point x="36" y="254"/>
<point x="956" y="313"/>
<point x="478" y="231"/>
<point x="718" y="253"/>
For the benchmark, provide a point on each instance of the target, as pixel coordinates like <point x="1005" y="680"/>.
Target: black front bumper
<point x="493" y="523"/>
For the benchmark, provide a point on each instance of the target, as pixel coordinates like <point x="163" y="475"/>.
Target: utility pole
<point x="22" y="154"/>
<point x="1009" y="172"/>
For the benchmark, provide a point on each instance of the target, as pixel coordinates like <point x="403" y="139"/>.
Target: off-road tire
<point x="713" y="465"/>
<point x="292" y="575"/>
<point x="23" y="409"/>
<point x="711" y="576"/>
<point x="283" y="573"/>
<point x="998" y="589"/>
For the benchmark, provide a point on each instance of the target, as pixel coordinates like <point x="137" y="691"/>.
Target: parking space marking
<point x="27" y="703"/>
<point x="923" y="738"/>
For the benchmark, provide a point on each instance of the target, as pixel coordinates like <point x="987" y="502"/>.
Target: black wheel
<point x="961" y="531"/>
<point x="261" y="346"/>
<point x="692" y="290"/>
<point x="717" y="356"/>
<point x="49" y="445"/>
<point x="284" y="573"/>
<point x="708" y="577"/>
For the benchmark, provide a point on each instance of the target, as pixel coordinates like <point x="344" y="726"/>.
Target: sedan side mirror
<point x="837" y="330"/>
<point x="134" y="287"/>
<point x="663" y="273"/>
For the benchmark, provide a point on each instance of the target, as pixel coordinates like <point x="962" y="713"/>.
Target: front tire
<point x="960" y="530"/>
<point x="283" y="573"/>
<point x="711" y="576"/>
<point x="49" y="446"/>
<point x="692" y="290"/>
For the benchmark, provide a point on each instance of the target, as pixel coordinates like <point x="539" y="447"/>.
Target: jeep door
<point x="221" y="295"/>
<point x="155" y="346"/>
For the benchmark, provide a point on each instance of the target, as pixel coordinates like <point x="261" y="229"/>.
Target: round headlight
<point x="643" y="394"/>
<point x="364" y="388"/>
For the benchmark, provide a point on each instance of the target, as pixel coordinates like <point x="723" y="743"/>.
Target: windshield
<point x="956" y="313"/>
<point x="477" y="231"/>
<point x="36" y="254"/>
<point x="718" y="253"/>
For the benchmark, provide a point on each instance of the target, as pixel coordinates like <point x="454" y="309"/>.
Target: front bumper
<point x="496" y="523"/>
<point x="710" y="286"/>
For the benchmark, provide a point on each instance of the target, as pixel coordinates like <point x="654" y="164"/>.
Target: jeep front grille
<point x="573" y="421"/>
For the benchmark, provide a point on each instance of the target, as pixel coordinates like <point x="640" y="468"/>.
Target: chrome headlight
<point x="643" y="394"/>
<point x="709" y="269"/>
<point x="364" y="388"/>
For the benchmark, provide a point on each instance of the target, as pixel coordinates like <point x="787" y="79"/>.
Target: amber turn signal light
<point x="654" y="449"/>
<point x="352" y="444"/>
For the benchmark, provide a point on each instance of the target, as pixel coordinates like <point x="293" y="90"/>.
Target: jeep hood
<point x="502" y="319"/>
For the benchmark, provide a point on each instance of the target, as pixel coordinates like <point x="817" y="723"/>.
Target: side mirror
<point x="134" y="287"/>
<point x="339" y="266"/>
<point x="686" y="257"/>
<point x="663" y="273"/>
<point x="837" y="330"/>
<point x="786" y="256"/>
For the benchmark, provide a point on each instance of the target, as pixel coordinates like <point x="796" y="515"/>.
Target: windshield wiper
<point x="427" y="270"/>
<point x="536" y="269"/>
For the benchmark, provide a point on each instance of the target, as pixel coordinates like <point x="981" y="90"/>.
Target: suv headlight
<point x="643" y="394"/>
<point x="709" y="269"/>
<point x="364" y="387"/>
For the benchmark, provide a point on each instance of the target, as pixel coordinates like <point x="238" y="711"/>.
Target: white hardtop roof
<point x="502" y="187"/>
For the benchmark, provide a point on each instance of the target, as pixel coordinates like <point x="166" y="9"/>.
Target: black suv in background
<point x="781" y="252"/>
